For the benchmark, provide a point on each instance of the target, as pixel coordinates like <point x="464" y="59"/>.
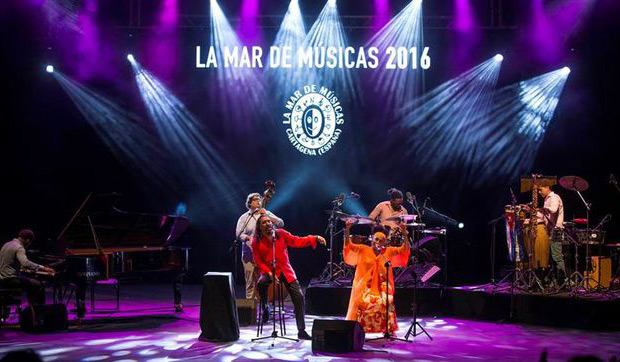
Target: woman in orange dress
<point x="368" y="293"/>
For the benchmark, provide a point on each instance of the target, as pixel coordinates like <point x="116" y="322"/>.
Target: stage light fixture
<point x="498" y="57"/>
<point x="566" y="70"/>
<point x="131" y="58"/>
<point x="49" y="69"/>
<point x="461" y="225"/>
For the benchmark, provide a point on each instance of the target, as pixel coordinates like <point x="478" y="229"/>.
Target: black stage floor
<point x="486" y="302"/>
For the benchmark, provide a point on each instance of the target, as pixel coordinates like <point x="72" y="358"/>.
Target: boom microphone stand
<point x="237" y="243"/>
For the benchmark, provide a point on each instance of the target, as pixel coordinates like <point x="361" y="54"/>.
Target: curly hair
<point x="248" y="200"/>
<point x="395" y="193"/>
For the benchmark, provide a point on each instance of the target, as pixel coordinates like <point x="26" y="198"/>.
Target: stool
<point x="114" y="283"/>
<point x="279" y="310"/>
<point x="9" y="297"/>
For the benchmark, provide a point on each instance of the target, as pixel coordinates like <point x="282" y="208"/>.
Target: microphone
<point x="354" y="196"/>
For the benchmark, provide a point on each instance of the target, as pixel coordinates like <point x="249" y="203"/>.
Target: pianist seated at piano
<point x="13" y="259"/>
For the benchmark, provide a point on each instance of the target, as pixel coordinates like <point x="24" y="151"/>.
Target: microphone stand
<point x="274" y="332"/>
<point x="328" y="274"/>
<point x="587" y="270"/>
<point x="493" y="224"/>
<point x="386" y="333"/>
<point x="236" y="243"/>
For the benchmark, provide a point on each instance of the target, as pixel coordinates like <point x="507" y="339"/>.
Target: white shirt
<point x="554" y="210"/>
<point x="384" y="210"/>
<point x="248" y="232"/>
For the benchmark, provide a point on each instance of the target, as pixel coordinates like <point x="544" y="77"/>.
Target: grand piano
<point x="102" y="242"/>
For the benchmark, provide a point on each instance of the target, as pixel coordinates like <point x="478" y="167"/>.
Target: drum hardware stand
<point x="599" y="287"/>
<point x="575" y="275"/>
<point x="333" y="269"/>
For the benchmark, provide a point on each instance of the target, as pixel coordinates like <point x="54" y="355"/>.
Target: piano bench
<point x="105" y="282"/>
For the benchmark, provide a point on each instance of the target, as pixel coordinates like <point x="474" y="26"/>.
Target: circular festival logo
<point x="313" y="119"/>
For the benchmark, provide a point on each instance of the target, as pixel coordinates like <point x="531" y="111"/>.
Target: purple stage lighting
<point x="463" y="18"/>
<point x="382" y="14"/>
<point x="162" y="45"/>
<point x="248" y="23"/>
<point x="543" y="35"/>
<point x="169" y="13"/>
<point x="467" y="36"/>
<point x="89" y="44"/>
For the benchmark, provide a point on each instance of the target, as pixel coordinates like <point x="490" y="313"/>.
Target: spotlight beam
<point x="184" y="136"/>
<point x="447" y="124"/>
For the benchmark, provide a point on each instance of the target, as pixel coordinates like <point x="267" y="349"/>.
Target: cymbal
<point x="615" y="245"/>
<point x="574" y="183"/>
<point x="581" y="221"/>
<point x="405" y="218"/>
<point x="357" y="219"/>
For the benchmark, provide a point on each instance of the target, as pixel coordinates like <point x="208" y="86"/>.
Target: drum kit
<point x="576" y="236"/>
<point x="335" y="271"/>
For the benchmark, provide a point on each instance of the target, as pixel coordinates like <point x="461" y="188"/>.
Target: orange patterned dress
<point x="368" y="293"/>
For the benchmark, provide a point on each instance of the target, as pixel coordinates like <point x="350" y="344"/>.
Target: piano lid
<point x="117" y="228"/>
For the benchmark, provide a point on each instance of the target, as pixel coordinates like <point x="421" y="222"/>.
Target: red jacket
<point x="263" y="253"/>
